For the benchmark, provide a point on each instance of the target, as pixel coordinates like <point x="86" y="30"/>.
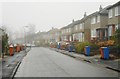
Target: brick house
<point x="81" y="29"/>
<point x="54" y="35"/>
<point x="77" y="31"/>
<point x="113" y="19"/>
<point x="66" y="32"/>
<point x="99" y="20"/>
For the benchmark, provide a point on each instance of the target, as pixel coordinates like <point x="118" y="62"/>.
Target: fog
<point x="44" y="15"/>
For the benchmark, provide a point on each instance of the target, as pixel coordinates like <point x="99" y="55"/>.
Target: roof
<point x="73" y="23"/>
<point x="114" y="5"/>
<point x="101" y="12"/>
<point x="1" y="29"/>
<point x="53" y="30"/>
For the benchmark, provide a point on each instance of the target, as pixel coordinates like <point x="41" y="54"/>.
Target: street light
<point x="25" y="37"/>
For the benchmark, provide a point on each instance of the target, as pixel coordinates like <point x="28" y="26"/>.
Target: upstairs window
<point x="76" y="27"/>
<point x="69" y="29"/>
<point x="62" y="31"/>
<point x="110" y="13"/>
<point x="98" y="18"/>
<point x="81" y="25"/>
<point x="93" y="20"/>
<point x="116" y="11"/>
<point x="119" y="10"/>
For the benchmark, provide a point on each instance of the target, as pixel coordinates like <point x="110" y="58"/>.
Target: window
<point x="76" y="28"/>
<point x="116" y="26"/>
<point x="81" y="26"/>
<point x="110" y="31"/>
<point x="98" y="18"/>
<point x="116" y="11"/>
<point x="81" y="37"/>
<point x="69" y="29"/>
<point x="65" y="38"/>
<point x="110" y="13"/>
<point x="70" y="38"/>
<point x="93" y="32"/>
<point x="93" y="20"/>
<point x="119" y="10"/>
<point x="62" y="31"/>
<point x="73" y="37"/>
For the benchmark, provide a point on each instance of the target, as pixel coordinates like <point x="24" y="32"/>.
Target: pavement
<point x="110" y="64"/>
<point x="44" y="62"/>
<point x="0" y="68"/>
<point x="9" y="63"/>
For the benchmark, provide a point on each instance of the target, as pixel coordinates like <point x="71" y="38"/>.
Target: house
<point x="81" y="29"/>
<point x="66" y="33"/>
<point x="54" y="35"/>
<point x="78" y="31"/>
<point x="99" y="20"/>
<point x="113" y="19"/>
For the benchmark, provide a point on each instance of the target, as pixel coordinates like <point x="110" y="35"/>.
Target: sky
<point x="45" y="14"/>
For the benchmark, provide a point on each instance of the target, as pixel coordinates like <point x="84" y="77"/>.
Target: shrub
<point x="80" y="46"/>
<point x="106" y="43"/>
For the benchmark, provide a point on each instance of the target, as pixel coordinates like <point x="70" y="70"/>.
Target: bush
<point x="106" y="43"/>
<point x="80" y="46"/>
<point x="94" y="49"/>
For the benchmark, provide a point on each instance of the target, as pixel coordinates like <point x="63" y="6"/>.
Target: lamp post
<point x="25" y="37"/>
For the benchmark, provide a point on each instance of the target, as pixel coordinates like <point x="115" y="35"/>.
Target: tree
<point x="117" y="37"/>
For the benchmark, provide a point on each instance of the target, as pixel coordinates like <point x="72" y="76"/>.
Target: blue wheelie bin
<point x="87" y="50"/>
<point x="106" y="52"/>
<point x="70" y="48"/>
<point x="59" y="46"/>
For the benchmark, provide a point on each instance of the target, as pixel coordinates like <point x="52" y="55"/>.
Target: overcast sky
<point x="45" y="15"/>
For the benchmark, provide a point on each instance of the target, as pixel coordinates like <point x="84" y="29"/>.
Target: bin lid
<point x="11" y="46"/>
<point x="103" y="47"/>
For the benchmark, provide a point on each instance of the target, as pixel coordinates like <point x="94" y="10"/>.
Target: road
<point x="43" y="62"/>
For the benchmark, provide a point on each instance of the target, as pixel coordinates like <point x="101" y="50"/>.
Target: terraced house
<point x="81" y="29"/>
<point x="99" y="20"/>
<point x="66" y="32"/>
<point x="98" y="26"/>
<point x="54" y="35"/>
<point x="113" y="19"/>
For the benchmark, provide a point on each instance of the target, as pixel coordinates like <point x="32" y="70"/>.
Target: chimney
<point x="85" y="14"/>
<point x="52" y="28"/>
<point x="72" y="20"/>
<point x="100" y="8"/>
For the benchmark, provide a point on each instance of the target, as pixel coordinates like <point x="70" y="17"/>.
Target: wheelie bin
<point x="18" y="48"/>
<point x="58" y="46"/>
<point x="87" y="50"/>
<point x="11" y="50"/>
<point x="70" y="48"/>
<point x="104" y="52"/>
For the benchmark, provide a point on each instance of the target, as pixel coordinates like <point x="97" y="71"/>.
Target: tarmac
<point x="110" y="64"/>
<point x="9" y="63"/>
